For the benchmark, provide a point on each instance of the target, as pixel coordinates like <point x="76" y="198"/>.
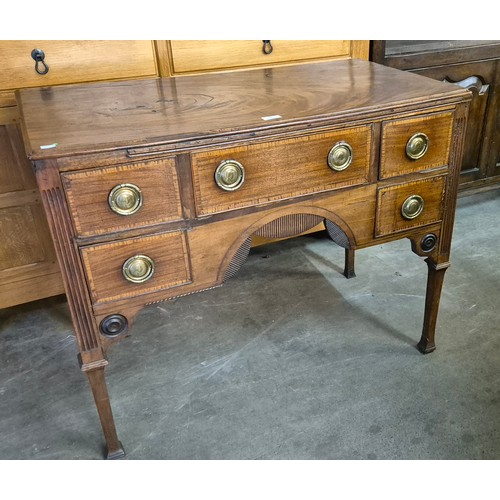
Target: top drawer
<point x="74" y="61"/>
<point x="204" y="55"/>
<point x="232" y="178"/>
<point x="415" y="144"/>
<point x="110" y="199"/>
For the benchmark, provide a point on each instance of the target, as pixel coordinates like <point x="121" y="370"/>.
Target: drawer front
<point x="105" y="200"/>
<point x="280" y="170"/>
<point x="408" y="205"/>
<point x="204" y="55"/>
<point x="150" y="263"/>
<point x="72" y="61"/>
<point x="415" y="144"/>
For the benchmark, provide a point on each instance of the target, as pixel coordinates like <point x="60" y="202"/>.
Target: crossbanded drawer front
<point x="281" y="169"/>
<point x="415" y="144"/>
<point x="136" y="266"/>
<point x="105" y="200"/>
<point x="409" y="205"/>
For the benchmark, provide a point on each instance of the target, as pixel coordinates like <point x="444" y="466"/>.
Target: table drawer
<point x="136" y="266"/>
<point x="72" y="61"/>
<point x="410" y="204"/>
<point x="206" y="55"/>
<point x="415" y="144"/>
<point x="110" y="199"/>
<point x="281" y="169"/>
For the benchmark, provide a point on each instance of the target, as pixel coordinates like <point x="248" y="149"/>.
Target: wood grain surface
<point x="87" y="192"/>
<point x="280" y="169"/>
<point x="395" y="135"/>
<point x="194" y="109"/>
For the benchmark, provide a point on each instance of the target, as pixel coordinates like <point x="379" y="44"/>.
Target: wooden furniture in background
<point x="154" y="188"/>
<point x="28" y="269"/>
<point x="473" y="64"/>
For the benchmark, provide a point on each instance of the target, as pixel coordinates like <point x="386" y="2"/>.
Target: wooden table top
<point x="95" y="117"/>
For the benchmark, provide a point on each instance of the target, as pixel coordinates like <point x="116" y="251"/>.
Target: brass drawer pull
<point x="38" y="56"/>
<point x="340" y="156"/>
<point x="412" y="207"/>
<point x="417" y="146"/>
<point x="138" y="269"/>
<point x="125" y="199"/>
<point x="230" y="175"/>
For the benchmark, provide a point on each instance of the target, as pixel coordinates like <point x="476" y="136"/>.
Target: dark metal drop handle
<point x="267" y="48"/>
<point x="39" y="56"/>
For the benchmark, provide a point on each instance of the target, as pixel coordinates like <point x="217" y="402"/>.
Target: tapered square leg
<point x="114" y="448"/>
<point x="435" y="278"/>
<point x="349" y="263"/>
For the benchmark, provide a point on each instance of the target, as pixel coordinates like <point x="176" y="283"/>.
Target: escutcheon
<point x="340" y="156"/>
<point x="230" y="175"/>
<point x="417" y="146"/>
<point x="412" y="207"/>
<point x="138" y="269"/>
<point x="125" y="199"/>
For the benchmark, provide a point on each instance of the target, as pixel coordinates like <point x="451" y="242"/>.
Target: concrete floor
<point x="289" y="360"/>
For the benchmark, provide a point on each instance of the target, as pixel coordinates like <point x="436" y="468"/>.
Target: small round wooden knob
<point x="340" y="156"/>
<point x="125" y="199"/>
<point x="412" y="207"/>
<point x="114" y="325"/>
<point x="138" y="269"/>
<point x="230" y="175"/>
<point x="417" y="146"/>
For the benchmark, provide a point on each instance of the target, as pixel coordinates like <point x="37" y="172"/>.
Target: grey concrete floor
<point x="288" y="360"/>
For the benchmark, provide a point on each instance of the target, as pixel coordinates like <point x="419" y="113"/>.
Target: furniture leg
<point x="349" y="263"/>
<point x="114" y="448"/>
<point x="435" y="279"/>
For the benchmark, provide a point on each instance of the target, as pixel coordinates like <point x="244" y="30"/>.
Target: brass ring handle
<point x="412" y="207"/>
<point x="417" y="146"/>
<point x="125" y="199"/>
<point x="340" y="156"/>
<point x="230" y="175"/>
<point x="138" y="269"/>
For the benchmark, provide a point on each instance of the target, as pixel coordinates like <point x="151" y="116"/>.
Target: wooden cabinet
<point x="28" y="269"/>
<point x="189" y="56"/>
<point x="472" y="64"/>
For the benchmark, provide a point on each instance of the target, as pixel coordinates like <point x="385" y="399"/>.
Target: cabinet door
<point x="480" y="78"/>
<point x="28" y="267"/>
<point x="189" y="56"/>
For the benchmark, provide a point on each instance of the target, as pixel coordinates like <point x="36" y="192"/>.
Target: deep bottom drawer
<point x="408" y="205"/>
<point x="136" y="266"/>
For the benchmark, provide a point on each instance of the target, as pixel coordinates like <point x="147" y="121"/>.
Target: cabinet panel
<point x="27" y="257"/>
<point x="72" y="61"/>
<point x="209" y="55"/>
<point x="480" y="79"/>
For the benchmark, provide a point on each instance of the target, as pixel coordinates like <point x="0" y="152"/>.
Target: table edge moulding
<point x="154" y="188"/>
